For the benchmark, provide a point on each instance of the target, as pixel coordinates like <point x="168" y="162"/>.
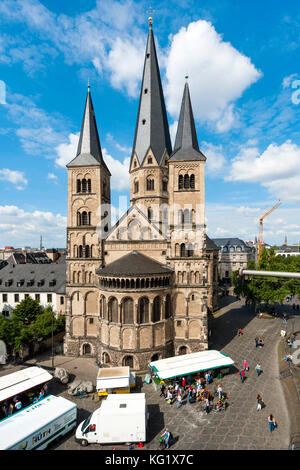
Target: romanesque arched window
<point x="182" y="250"/>
<point x="186" y="181"/>
<point x="127" y="308"/>
<point x="78" y="186"/>
<point x="83" y="185"/>
<point x="192" y="181"/>
<point x="150" y="184"/>
<point x="180" y="182"/>
<point x="143" y="310"/>
<point x="156" y="309"/>
<point x="113" y="310"/>
<point x="89" y="186"/>
<point x="136" y="186"/>
<point x="168" y="312"/>
<point x="84" y="218"/>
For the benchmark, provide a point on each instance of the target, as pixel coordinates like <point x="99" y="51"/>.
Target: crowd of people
<point x="9" y="407"/>
<point x="192" y="389"/>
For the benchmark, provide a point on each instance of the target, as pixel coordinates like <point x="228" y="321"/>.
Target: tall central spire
<point x="152" y="129"/>
<point x="89" y="148"/>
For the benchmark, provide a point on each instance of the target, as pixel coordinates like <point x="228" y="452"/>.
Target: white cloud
<point x="277" y="169"/>
<point x="125" y="62"/>
<point x="218" y="74"/>
<point x="287" y="81"/>
<point x="15" y="177"/>
<point x="53" y="177"/>
<point x="215" y="159"/>
<point x="19" y="227"/>
<point x="67" y="151"/>
<point x="119" y="171"/>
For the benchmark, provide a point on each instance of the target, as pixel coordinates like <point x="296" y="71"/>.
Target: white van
<point x="120" y="419"/>
<point x="37" y="425"/>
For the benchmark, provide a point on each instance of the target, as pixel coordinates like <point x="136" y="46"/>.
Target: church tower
<point x="88" y="221"/>
<point x="152" y="143"/>
<point x="188" y="234"/>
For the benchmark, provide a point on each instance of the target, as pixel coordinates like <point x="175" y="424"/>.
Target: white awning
<point x="178" y="366"/>
<point x="22" y="380"/>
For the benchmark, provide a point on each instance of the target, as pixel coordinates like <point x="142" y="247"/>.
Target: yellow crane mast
<point x="260" y="240"/>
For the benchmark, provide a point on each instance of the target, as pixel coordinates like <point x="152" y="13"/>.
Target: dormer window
<point x="146" y="91"/>
<point x="150" y="160"/>
<point x="144" y="122"/>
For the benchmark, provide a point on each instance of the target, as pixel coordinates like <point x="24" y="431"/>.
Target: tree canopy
<point x="271" y="289"/>
<point x="28" y="323"/>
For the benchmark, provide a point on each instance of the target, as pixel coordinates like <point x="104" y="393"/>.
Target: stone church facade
<point x="140" y="290"/>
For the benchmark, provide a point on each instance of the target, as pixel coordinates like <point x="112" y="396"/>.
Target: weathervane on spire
<point x="150" y="19"/>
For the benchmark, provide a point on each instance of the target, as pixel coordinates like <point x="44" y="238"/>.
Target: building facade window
<point x="150" y="184"/>
<point x="49" y="298"/>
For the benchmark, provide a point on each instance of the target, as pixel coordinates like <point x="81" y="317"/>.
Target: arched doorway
<point x="86" y="349"/>
<point x="128" y="361"/>
<point x="182" y="350"/>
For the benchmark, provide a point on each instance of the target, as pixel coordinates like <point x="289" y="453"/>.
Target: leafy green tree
<point x="27" y="310"/>
<point x="268" y="290"/>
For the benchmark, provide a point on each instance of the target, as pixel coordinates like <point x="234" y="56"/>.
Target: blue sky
<point x="242" y="59"/>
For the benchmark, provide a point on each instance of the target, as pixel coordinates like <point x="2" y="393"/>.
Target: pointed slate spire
<point x="152" y="129"/>
<point x="186" y="142"/>
<point x="89" y="148"/>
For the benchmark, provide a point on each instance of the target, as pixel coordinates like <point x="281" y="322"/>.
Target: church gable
<point x="134" y="225"/>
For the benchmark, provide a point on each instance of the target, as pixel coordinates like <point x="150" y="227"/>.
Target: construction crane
<point x="260" y="240"/>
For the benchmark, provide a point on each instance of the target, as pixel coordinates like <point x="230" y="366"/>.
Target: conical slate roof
<point x="89" y="148"/>
<point x="134" y="264"/>
<point x="152" y="129"/>
<point x="186" y="143"/>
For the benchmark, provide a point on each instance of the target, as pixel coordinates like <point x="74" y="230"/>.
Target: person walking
<point x="256" y="342"/>
<point x="258" y="369"/>
<point x="163" y="391"/>
<point x="272" y="422"/>
<point x="166" y="437"/>
<point x="259" y="402"/>
<point x="242" y="375"/>
<point x="246" y="367"/>
<point x="207" y="405"/>
<point x="219" y="391"/>
<point x="179" y="400"/>
<point x="240" y="332"/>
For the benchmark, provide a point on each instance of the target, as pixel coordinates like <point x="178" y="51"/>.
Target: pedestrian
<point x="258" y="369"/>
<point x="179" y="401"/>
<point x="259" y="402"/>
<point x="219" y="391"/>
<point x="18" y="405"/>
<point x="166" y="437"/>
<point x="183" y="382"/>
<point x="242" y="375"/>
<point x="208" y="377"/>
<point x="169" y="396"/>
<point x="240" y="332"/>
<point x="256" y="342"/>
<point x="272" y="422"/>
<point x="207" y="405"/>
<point x="246" y="367"/>
<point x="162" y="390"/>
<point x="260" y="342"/>
<point x="10" y="409"/>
